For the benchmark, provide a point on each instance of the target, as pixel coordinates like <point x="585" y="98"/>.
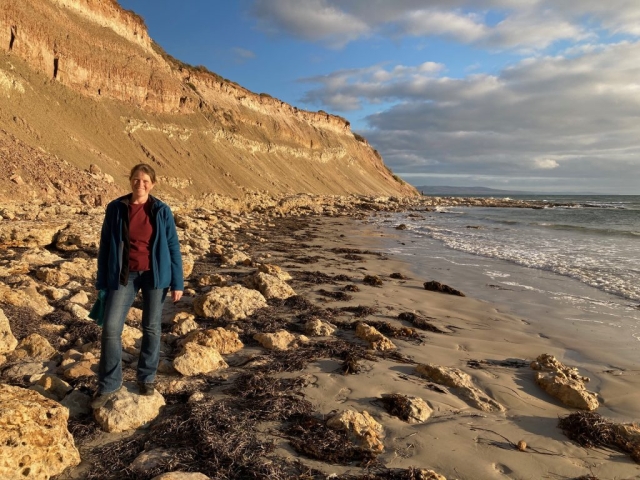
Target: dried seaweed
<point x="342" y="278"/>
<point x="591" y="430"/>
<point x="372" y="280"/>
<point x="83" y="429"/>
<point x="360" y="311"/>
<point x="398" y="276"/>
<point x="351" y="288"/>
<point x="311" y="437"/>
<point x="397" y="405"/>
<point x="355" y="251"/>
<point x="420" y="322"/>
<point x="313" y="277"/>
<point x="385" y="328"/>
<point x="434" y="286"/>
<point x="342" y="296"/>
<point x="354" y="257"/>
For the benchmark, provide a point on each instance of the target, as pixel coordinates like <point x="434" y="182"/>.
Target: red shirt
<point x="140" y="233"/>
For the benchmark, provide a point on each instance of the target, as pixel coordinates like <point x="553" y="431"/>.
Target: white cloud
<point x="463" y="27"/>
<point x="545" y="163"/>
<point x="243" y="53"/>
<point x="573" y="116"/>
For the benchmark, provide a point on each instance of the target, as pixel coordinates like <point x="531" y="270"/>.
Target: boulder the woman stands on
<point x="139" y="251"/>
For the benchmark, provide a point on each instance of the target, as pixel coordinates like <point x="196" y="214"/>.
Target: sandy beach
<point x="459" y="441"/>
<point x="266" y="412"/>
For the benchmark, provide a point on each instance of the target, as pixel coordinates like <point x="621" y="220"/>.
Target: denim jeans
<point x="117" y="306"/>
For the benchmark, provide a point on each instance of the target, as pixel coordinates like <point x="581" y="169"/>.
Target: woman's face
<point x="141" y="184"/>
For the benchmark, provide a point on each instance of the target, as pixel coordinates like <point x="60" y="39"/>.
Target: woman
<point x="139" y="251"/>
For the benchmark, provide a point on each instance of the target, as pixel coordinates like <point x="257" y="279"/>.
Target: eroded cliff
<point x="81" y="81"/>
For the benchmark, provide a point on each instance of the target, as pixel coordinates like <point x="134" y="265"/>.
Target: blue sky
<point x="539" y="95"/>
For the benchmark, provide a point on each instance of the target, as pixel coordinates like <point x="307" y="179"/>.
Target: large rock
<point x="25" y="297"/>
<point x="376" y="340"/>
<point x="7" y="341"/>
<point x="52" y="276"/>
<point x="127" y="410"/>
<point x="270" y="286"/>
<point x="29" y="234"/>
<point x="52" y="387"/>
<point x="564" y="383"/>
<point x="230" y="303"/>
<point x="34" y="440"/>
<point x="461" y="384"/>
<point x="195" y="359"/>
<point x="33" y="347"/>
<point x="80" y="268"/>
<point x="188" y="262"/>
<point x="79" y="236"/>
<point x="362" y="427"/>
<point x="318" y="328"/>
<point x="280" y="340"/>
<point x="407" y="407"/>
<point x="225" y="341"/>
<point x="274" y="270"/>
<point x="234" y="257"/>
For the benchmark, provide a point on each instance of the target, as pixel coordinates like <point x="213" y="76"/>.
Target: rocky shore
<point x="299" y="351"/>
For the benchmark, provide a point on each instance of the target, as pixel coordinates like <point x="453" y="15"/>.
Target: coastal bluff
<point x="82" y="83"/>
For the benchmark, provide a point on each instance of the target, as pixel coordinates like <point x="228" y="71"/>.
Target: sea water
<point x="580" y="260"/>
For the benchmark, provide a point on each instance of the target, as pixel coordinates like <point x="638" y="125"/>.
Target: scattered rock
<point x="362" y="427"/>
<point x="376" y="340"/>
<point x="52" y="387"/>
<point x="406" y="407"/>
<point x="78" y="403"/>
<point x="182" y="476"/>
<point x="25" y="297"/>
<point x="270" y="286"/>
<point x="372" y="280"/>
<point x="224" y="341"/>
<point x="235" y="257"/>
<point x="8" y="342"/>
<point x="274" y="270"/>
<point x="317" y="328"/>
<point x="127" y="410"/>
<point x="230" y="303"/>
<point x="461" y="384"/>
<point x="151" y="459"/>
<point x="33" y="347"/>
<point x="564" y="383"/>
<point x="280" y="340"/>
<point x="195" y="359"/>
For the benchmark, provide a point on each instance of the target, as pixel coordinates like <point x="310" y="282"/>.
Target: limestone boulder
<point x="280" y="340"/>
<point x="80" y="268"/>
<point x="131" y="337"/>
<point x="188" y="262"/>
<point x="185" y="326"/>
<point x="270" y="286"/>
<point x="274" y="270"/>
<point x="51" y="386"/>
<point x="80" y="298"/>
<point x="317" y="328"/>
<point x="376" y="340"/>
<point x="29" y="234"/>
<point x="214" y="280"/>
<point x="361" y="427"/>
<point x="25" y="297"/>
<point x="409" y="408"/>
<point x="34" y="440"/>
<point x="78" y="403"/>
<point x="52" y="276"/>
<point x="564" y="383"/>
<point x="232" y="258"/>
<point x="127" y="410"/>
<point x="33" y="347"/>
<point x="79" y="236"/>
<point x="195" y="359"/>
<point x="461" y="384"/>
<point x="224" y="341"/>
<point x="229" y="303"/>
<point x="8" y="342"/>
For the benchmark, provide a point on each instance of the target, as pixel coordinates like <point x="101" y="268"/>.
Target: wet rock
<point x="564" y="383"/>
<point x="362" y="427"/>
<point x="230" y="303"/>
<point x="434" y="286"/>
<point x="270" y="286"/>
<point x="376" y="340"/>
<point x="34" y="440"/>
<point x="195" y="359"/>
<point x="461" y="384"/>
<point x="127" y="410"/>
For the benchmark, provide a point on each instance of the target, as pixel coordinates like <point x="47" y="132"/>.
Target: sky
<point x="533" y="95"/>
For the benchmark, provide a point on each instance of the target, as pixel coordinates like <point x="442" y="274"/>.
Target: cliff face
<point x="82" y="81"/>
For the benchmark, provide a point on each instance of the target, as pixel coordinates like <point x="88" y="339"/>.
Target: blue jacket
<point x="113" y="255"/>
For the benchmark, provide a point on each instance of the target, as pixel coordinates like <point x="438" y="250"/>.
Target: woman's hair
<point x="144" y="168"/>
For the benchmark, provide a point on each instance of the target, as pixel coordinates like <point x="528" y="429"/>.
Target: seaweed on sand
<point x="360" y="311"/>
<point x="311" y="437"/>
<point x="297" y="359"/>
<point x="351" y="288"/>
<point x="405" y="333"/>
<point x="313" y="277"/>
<point x="355" y="251"/>
<point x="219" y="438"/>
<point x="420" y="322"/>
<point x="591" y="430"/>
<point x="396" y="405"/>
<point x="342" y="296"/>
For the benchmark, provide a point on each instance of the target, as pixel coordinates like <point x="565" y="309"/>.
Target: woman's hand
<point x="176" y="295"/>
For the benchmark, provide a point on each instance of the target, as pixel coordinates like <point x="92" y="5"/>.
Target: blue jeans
<point x="117" y="306"/>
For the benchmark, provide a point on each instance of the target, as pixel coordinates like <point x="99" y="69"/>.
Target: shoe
<point x="99" y="399"/>
<point x="147" y="389"/>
